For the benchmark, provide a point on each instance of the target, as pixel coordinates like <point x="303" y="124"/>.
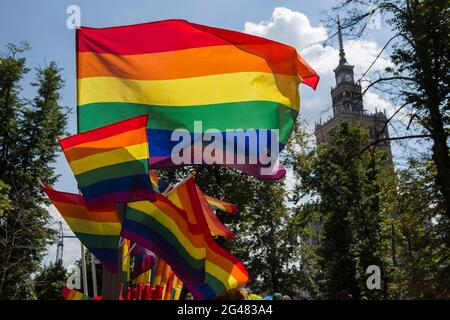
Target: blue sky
<point x="296" y="22"/>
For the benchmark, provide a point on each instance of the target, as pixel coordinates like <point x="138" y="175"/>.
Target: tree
<point x="50" y="281"/>
<point x="28" y="147"/>
<point x="5" y="202"/>
<point x="420" y="79"/>
<point x="419" y="227"/>
<point x="341" y="182"/>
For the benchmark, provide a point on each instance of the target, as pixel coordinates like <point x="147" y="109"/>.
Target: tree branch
<point x="415" y="136"/>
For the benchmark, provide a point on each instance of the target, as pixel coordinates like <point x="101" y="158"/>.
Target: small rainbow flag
<point x="111" y="163"/>
<point x="180" y="72"/>
<point x="164" y="229"/>
<point x="217" y="204"/>
<point x="216" y="226"/>
<point x="71" y="294"/>
<point x="98" y="230"/>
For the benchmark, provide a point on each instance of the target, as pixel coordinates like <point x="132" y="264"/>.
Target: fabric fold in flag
<point x="98" y="230"/>
<point x="180" y="72"/>
<point x="111" y="163"/>
<point x="165" y="230"/>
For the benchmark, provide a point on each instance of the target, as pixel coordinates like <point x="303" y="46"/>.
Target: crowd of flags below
<point x="136" y="85"/>
<point x="156" y="283"/>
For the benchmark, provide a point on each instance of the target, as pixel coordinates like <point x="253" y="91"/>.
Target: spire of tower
<point x="342" y="58"/>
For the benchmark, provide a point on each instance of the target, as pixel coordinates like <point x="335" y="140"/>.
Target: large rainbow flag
<point x="98" y="230"/>
<point x="180" y="72"/>
<point x="224" y="271"/>
<point x="164" y="229"/>
<point x="110" y="163"/>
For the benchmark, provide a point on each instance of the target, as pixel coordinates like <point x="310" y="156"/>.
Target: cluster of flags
<point x="154" y="231"/>
<point x="136" y="85"/>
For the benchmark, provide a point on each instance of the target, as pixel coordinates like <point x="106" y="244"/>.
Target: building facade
<point x="348" y="106"/>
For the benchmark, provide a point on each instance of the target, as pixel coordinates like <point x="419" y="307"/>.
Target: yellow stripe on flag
<point x="135" y="152"/>
<point x="213" y="89"/>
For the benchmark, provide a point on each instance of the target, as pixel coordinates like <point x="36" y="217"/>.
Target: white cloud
<point x="288" y="26"/>
<point x="294" y="28"/>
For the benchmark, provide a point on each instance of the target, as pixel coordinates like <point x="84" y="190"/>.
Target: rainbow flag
<point x="144" y="260"/>
<point x="180" y="72"/>
<point x="217" y="204"/>
<point x="111" y="163"/>
<point x="164" y="229"/>
<point x="97" y="230"/>
<point x="71" y="294"/>
<point x="223" y="270"/>
<point x="216" y="226"/>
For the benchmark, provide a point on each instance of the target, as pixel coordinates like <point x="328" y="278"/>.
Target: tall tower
<point x="348" y="105"/>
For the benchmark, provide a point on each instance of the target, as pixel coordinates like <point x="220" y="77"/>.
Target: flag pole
<point x="83" y="269"/>
<point x="94" y="276"/>
<point x="192" y="174"/>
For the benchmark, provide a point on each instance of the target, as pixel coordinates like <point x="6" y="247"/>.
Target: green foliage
<point x="50" y="281"/>
<point x="28" y="147"/>
<point x="5" y="202"/>
<point x="420" y="227"/>
<point x="341" y="182"/>
<point x="419" y="79"/>
<point x="424" y="56"/>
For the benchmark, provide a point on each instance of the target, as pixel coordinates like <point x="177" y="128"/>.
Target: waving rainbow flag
<point x="224" y="271"/>
<point x="216" y="226"/>
<point x="224" y="206"/>
<point x="180" y="72"/>
<point x="164" y="229"/>
<point x="97" y="230"/>
<point x="111" y="163"/>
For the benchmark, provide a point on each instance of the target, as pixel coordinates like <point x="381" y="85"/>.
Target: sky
<point x="295" y="22"/>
